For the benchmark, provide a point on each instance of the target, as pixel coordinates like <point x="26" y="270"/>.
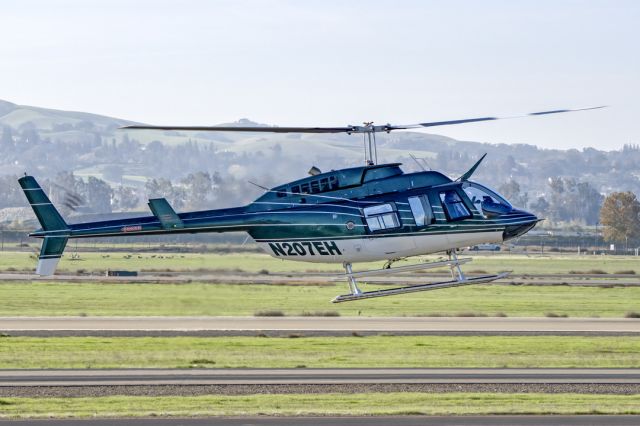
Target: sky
<point x="333" y="63"/>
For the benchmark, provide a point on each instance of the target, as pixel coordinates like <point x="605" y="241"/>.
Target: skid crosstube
<point x="419" y="287"/>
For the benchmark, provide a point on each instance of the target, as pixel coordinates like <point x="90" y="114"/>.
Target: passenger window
<point x="304" y="188"/>
<point x="324" y="184"/>
<point x="421" y="210"/>
<point x="333" y="182"/>
<point x="454" y="206"/>
<point x="315" y="187"/>
<point x="382" y="216"/>
<point x="295" y="189"/>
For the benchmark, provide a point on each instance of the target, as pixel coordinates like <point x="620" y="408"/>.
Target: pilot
<point x="487" y="202"/>
<point x="490" y="206"/>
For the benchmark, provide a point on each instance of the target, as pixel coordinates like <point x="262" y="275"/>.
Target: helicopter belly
<point x="374" y="248"/>
<point x="473" y="238"/>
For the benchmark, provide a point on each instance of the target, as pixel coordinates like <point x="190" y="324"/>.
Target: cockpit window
<point x="453" y="205"/>
<point x="486" y="201"/>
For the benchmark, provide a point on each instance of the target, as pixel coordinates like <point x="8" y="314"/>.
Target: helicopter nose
<point x="522" y="223"/>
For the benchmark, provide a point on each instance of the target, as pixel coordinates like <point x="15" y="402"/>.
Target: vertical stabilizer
<point x="56" y="229"/>
<point x="47" y="215"/>
<point x="50" y="254"/>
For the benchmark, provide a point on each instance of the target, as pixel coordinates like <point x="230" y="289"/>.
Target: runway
<point x="201" y="377"/>
<point x="349" y="421"/>
<point x="212" y="326"/>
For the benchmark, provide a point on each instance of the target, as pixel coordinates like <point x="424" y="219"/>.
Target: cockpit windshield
<point x="486" y="201"/>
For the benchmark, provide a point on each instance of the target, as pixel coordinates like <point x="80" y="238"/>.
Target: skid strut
<point x="353" y="286"/>
<point x="458" y="279"/>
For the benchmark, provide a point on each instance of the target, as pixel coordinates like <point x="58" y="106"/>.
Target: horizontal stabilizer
<point x="161" y="209"/>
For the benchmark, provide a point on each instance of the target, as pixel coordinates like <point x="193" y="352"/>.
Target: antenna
<point x="416" y="159"/>
<point x="258" y="185"/>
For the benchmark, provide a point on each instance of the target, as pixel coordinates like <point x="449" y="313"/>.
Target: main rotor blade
<point x="368" y="127"/>
<point x="473" y="120"/>
<point x="244" y="129"/>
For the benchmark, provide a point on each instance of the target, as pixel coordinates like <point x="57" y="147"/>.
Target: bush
<point x="320" y="314"/>
<point x="271" y="313"/>
<point x="470" y="314"/>
<point x="632" y="314"/>
<point x="554" y="315"/>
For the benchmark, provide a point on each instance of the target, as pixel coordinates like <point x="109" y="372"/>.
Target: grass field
<point x="320" y="352"/>
<point x="194" y="299"/>
<point x="253" y="262"/>
<point x="322" y="404"/>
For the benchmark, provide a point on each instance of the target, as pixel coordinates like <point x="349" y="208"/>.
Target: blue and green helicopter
<point x="375" y="212"/>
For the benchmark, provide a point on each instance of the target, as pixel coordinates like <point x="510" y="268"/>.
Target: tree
<point x="587" y="202"/>
<point x="557" y="209"/>
<point x="124" y="198"/>
<point x="540" y="207"/>
<point x="198" y="187"/>
<point x="620" y="215"/>
<point x="163" y="188"/>
<point x="511" y="191"/>
<point x="98" y="194"/>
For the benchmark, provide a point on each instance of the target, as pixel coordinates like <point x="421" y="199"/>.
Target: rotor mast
<point x="369" y="142"/>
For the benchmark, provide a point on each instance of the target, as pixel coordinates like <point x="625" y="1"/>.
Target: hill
<point x="47" y="142"/>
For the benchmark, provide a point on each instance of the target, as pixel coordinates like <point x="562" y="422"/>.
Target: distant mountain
<point x="47" y="141"/>
<point x="44" y="119"/>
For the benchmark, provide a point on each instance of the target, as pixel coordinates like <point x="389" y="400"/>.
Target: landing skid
<point x="458" y="279"/>
<point x="418" y="287"/>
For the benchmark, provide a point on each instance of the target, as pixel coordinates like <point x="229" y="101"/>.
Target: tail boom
<point x="55" y="232"/>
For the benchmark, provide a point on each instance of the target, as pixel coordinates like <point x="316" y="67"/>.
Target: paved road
<point x="351" y="421"/>
<point x="190" y="377"/>
<point x="337" y="325"/>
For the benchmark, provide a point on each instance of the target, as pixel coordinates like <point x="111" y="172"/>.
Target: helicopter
<point x="374" y="212"/>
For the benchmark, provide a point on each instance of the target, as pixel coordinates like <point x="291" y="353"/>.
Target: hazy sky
<point x="335" y="63"/>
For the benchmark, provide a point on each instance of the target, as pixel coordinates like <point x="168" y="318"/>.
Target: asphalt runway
<point x="128" y="326"/>
<point x="232" y="376"/>
<point x="349" y="421"/>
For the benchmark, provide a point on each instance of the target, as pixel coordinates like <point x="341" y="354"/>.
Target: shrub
<point x="470" y="314"/>
<point x="555" y="315"/>
<point x="320" y="314"/>
<point x="271" y="313"/>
